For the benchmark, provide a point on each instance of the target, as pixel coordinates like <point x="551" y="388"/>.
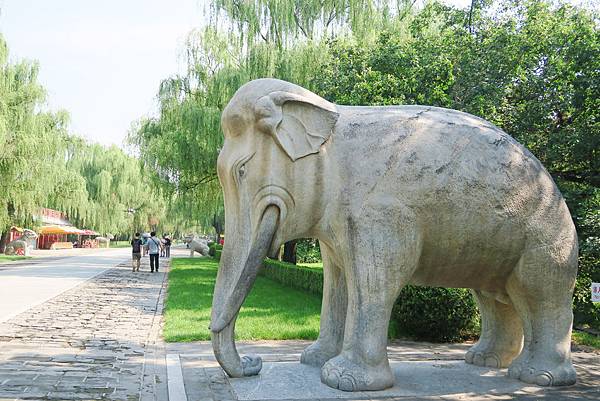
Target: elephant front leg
<point x="381" y="262"/>
<point x="333" y="314"/>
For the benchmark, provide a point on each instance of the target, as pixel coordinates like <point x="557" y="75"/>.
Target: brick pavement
<point x="99" y="340"/>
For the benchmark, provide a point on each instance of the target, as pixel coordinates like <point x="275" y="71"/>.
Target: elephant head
<point x="274" y="138"/>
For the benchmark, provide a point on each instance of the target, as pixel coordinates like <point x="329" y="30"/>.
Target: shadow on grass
<point x="271" y="311"/>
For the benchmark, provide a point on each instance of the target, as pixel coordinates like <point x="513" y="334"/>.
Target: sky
<point x="103" y="61"/>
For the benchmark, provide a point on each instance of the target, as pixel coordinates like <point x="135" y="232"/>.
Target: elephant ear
<point x="300" y="124"/>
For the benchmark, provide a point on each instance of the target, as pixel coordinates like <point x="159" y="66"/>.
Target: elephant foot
<point x="318" y="353"/>
<point x="489" y="357"/>
<point x="343" y="374"/>
<point x="544" y="373"/>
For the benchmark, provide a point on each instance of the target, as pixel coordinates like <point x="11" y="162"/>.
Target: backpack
<point x="137" y="245"/>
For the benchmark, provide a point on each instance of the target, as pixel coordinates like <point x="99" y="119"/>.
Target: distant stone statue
<point x="396" y="195"/>
<point x="13" y="247"/>
<point x="103" y="242"/>
<point x="197" y="245"/>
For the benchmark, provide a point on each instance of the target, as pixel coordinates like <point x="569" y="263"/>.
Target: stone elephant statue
<point x="197" y="245"/>
<point x="20" y="243"/>
<point x="396" y="195"/>
<point x="103" y="242"/>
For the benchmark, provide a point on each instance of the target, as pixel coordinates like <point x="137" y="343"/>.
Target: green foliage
<point x="586" y="312"/>
<point x="308" y="251"/>
<point x="436" y="314"/>
<point x="31" y="142"/>
<point x="114" y="183"/>
<point x="590" y="340"/>
<point x="213" y="248"/>
<point x="218" y="253"/>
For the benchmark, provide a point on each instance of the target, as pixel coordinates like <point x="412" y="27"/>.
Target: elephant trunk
<point x="231" y="290"/>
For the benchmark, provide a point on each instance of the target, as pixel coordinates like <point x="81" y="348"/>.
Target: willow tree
<point x="31" y="140"/>
<point x="120" y="197"/>
<point x="244" y="40"/>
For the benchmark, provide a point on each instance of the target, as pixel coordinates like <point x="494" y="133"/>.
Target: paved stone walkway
<point x="99" y="340"/>
<point x="102" y="340"/>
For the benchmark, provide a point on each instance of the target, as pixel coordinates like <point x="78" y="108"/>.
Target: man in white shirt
<point x="154" y="245"/>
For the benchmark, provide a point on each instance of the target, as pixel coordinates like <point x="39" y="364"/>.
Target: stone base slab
<point x="292" y="380"/>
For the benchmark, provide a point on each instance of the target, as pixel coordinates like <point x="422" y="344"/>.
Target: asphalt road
<point x="24" y="286"/>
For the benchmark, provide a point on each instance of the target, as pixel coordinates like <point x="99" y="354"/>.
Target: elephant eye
<point x="242" y="171"/>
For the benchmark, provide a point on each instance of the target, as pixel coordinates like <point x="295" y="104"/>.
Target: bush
<point x="218" y="254"/>
<point x="310" y="280"/>
<point x="585" y="312"/>
<point x="214" y="247"/>
<point x="432" y="314"/>
<point x="308" y="251"/>
<point x="435" y="314"/>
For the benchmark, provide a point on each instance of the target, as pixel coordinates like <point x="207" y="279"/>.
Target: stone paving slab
<point x="95" y="341"/>
<point x="424" y="371"/>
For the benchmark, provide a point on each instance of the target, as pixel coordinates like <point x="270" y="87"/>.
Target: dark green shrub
<point x="585" y="312"/>
<point x="218" y="254"/>
<point x="214" y="247"/>
<point x="310" y="280"/>
<point x="436" y="314"/>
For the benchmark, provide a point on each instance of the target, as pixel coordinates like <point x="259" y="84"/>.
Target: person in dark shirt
<point x="136" y="252"/>
<point x="167" y="246"/>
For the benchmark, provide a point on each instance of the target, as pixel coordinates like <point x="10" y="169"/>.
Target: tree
<point x="31" y="143"/>
<point x="530" y="67"/>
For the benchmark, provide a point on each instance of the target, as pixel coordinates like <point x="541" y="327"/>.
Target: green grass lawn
<point x="7" y="258"/>
<point x="120" y="244"/>
<point x="582" y="338"/>
<point x="271" y="311"/>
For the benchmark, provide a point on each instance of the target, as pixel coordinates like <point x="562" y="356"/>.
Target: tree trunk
<point x="289" y="252"/>
<point x="4" y="239"/>
<point x="218" y="226"/>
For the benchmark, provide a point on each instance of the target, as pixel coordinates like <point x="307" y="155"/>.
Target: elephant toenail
<point x="492" y="361"/>
<point x="346" y="384"/>
<point x="544" y="379"/>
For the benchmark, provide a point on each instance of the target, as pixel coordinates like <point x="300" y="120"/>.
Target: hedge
<point x="213" y="247"/>
<point x="290" y="275"/>
<point x="435" y="314"/>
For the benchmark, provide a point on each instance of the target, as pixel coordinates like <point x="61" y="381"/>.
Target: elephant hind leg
<point x="541" y="288"/>
<point x="501" y="333"/>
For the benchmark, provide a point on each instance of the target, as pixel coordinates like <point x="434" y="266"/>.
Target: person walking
<point x="136" y="252"/>
<point x="167" y="246"/>
<point x="154" y="246"/>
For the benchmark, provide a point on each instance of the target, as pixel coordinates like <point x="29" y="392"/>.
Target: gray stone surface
<point x="423" y="371"/>
<point x="395" y="195"/>
<point x="292" y="380"/>
<point x="99" y="340"/>
<point x="196" y="244"/>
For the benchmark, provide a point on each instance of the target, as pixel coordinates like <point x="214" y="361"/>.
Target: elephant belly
<point x="478" y="254"/>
